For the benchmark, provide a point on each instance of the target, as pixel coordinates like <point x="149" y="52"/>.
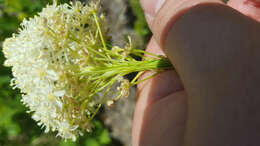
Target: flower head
<point x="47" y="57"/>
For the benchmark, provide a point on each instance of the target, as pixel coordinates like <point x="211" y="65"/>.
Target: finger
<point x="163" y="122"/>
<point x="155" y="49"/>
<point x="250" y="8"/>
<point x="151" y="93"/>
<point x="214" y="49"/>
<point x="169" y="13"/>
<point x="161" y="14"/>
<point x="151" y="7"/>
<point x="169" y="81"/>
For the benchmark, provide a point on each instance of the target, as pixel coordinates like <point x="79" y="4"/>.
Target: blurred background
<point x="113" y="126"/>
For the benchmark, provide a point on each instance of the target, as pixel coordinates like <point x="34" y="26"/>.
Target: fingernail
<point x="149" y="19"/>
<point x="255" y="3"/>
<point x="152" y="6"/>
<point x="250" y="8"/>
<point x="159" y="5"/>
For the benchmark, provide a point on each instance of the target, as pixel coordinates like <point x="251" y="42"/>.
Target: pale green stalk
<point x="113" y="66"/>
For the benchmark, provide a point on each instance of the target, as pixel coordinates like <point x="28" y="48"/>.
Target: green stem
<point x="145" y="79"/>
<point x="99" y="31"/>
<point x="130" y="67"/>
<point x="137" y="76"/>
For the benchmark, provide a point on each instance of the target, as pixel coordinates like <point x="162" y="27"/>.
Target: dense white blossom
<point x="47" y="56"/>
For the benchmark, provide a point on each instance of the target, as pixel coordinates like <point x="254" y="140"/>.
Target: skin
<point x="212" y="96"/>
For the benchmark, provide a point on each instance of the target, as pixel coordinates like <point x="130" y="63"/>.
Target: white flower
<point x="46" y="57"/>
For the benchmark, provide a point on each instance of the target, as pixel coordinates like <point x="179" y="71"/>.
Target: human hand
<point x="161" y="110"/>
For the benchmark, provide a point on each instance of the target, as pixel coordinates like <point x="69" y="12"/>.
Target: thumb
<point x="250" y="8"/>
<point x="213" y="48"/>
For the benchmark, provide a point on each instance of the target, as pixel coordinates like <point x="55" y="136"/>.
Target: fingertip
<point x="151" y="7"/>
<point x="150" y="92"/>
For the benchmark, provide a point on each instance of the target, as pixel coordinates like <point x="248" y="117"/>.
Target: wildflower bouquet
<point x="66" y="68"/>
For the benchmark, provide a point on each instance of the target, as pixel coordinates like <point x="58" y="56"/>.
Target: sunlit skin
<point x="164" y="102"/>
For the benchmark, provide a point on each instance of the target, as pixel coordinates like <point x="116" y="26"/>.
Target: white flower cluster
<point x="47" y="56"/>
